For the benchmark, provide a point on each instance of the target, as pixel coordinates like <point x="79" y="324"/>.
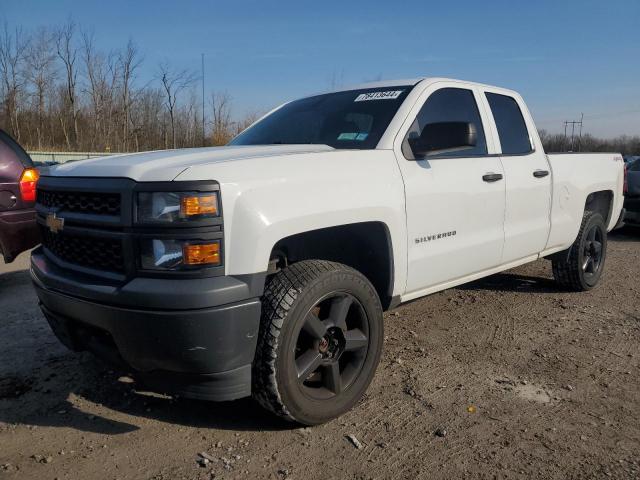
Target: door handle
<point x="540" y="173"/>
<point x="492" y="177"/>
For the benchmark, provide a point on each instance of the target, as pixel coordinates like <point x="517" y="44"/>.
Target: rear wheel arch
<point x="596" y="202"/>
<point x="600" y="202"/>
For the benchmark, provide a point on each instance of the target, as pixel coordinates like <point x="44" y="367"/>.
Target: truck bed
<point x="575" y="175"/>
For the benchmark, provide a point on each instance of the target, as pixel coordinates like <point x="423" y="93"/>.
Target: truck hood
<point x="166" y="165"/>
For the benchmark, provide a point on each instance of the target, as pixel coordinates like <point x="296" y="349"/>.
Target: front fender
<point x="267" y="199"/>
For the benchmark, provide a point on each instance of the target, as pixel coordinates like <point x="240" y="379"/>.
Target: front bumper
<point x="192" y="337"/>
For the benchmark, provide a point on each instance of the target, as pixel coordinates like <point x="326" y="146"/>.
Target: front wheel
<point x="581" y="268"/>
<point x="320" y="341"/>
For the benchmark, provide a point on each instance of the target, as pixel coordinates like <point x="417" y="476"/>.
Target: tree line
<point x="59" y="91"/>
<point x="624" y="144"/>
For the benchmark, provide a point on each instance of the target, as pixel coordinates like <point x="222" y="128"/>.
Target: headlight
<point x="176" y="207"/>
<point x="173" y="254"/>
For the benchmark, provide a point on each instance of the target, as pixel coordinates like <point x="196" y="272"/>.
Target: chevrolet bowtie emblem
<point x="54" y="223"/>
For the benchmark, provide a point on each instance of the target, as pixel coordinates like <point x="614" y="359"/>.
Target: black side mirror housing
<point x="444" y="137"/>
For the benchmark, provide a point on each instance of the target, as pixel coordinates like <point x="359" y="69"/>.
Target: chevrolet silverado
<point x="263" y="267"/>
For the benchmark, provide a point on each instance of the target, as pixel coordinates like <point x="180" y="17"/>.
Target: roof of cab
<point x="411" y="82"/>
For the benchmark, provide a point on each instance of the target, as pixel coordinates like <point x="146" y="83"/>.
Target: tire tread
<point x="280" y="293"/>
<point x="567" y="271"/>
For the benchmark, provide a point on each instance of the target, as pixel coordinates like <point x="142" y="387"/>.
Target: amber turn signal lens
<point x="203" y="254"/>
<point x="199" y="205"/>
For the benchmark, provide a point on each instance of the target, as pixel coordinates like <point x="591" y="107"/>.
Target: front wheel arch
<point x="364" y="246"/>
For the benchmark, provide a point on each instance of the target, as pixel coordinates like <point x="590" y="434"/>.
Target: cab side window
<point x="443" y="115"/>
<point x="513" y="133"/>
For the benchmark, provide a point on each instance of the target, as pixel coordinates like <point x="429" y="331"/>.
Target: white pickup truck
<point x="263" y="267"/>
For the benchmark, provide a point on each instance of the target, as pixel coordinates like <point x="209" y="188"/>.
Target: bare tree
<point x="67" y="52"/>
<point x="41" y="75"/>
<point x="110" y="87"/>
<point x="173" y="83"/>
<point x="192" y="124"/>
<point x="222" y="125"/>
<point x="13" y="50"/>
<point x="146" y="113"/>
<point x="129" y="60"/>
<point x="102" y="73"/>
<point x="90" y="67"/>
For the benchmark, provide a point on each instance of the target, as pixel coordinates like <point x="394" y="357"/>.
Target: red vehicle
<point x="18" y="178"/>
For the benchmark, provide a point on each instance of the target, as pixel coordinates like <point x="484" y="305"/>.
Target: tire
<point x="582" y="267"/>
<point x="316" y="314"/>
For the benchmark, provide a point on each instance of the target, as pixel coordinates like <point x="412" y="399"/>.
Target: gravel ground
<point x="507" y="377"/>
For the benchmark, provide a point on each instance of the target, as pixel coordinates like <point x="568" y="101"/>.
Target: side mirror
<point x="444" y="137"/>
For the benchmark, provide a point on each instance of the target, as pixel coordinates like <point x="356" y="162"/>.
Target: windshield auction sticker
<point x="388" y="95"/>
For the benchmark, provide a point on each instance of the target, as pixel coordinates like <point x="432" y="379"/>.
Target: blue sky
<point x="565" y="57"/>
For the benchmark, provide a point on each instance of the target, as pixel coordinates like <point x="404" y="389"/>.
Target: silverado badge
<point x="54" y="223"/>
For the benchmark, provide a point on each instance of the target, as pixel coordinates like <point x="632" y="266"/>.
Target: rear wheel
<point x="581" y="268"/>
<point x="320" y="341"/>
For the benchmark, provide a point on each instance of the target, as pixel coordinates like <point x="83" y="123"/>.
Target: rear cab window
<point x="512" y="129"/>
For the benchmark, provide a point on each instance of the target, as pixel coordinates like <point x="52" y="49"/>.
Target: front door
<point x="455" y="200"/>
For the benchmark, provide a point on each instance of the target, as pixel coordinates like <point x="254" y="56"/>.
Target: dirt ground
<point x="507" y="377"/>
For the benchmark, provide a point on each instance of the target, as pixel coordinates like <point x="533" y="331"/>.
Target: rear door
<point x="527" y="177"/>
<point x="455" y="201"/>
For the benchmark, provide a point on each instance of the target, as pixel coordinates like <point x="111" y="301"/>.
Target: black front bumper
<point x="192" y="337"/>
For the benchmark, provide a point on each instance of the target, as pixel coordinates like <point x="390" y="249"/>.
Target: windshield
<point x="351" y="119"/>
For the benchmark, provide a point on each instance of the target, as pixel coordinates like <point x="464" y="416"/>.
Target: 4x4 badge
<point x="54" y="223"/>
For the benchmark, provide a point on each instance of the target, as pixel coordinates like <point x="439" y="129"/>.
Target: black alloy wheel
<point x="592" y="251"/>
<point x="332" y="345"/>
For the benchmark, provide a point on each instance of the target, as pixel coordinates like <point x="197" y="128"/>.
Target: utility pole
<point x="573" y="124"/>
<point x="203" y="134"/>
<point x="580" y="137"/>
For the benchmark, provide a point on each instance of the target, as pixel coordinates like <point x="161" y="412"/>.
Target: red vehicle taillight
<point x="28" y="181"/>
<point x="625" y="188"/>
